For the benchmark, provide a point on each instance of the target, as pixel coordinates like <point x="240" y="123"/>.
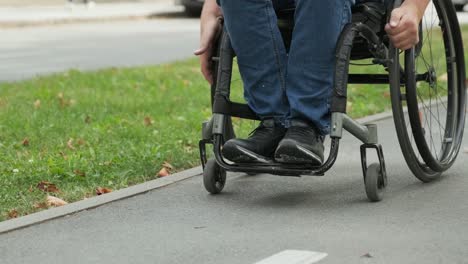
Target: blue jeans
<point x="286" y="86"/>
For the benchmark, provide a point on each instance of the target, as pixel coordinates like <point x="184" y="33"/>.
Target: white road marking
<point x="294" y="257"/>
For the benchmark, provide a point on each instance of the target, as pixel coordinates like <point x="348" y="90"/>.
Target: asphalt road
<point x="26" y="52"/>
<point x="258" y="216"/>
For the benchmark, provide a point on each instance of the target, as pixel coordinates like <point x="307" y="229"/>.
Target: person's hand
<point x="210" y="27"/>
<point x="404" y="25"/>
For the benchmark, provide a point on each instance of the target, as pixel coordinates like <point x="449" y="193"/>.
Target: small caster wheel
<point x="375" y="183"/>
<point x="214" y="177"/>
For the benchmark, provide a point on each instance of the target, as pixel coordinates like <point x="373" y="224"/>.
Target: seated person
<point x="290" y="92"/>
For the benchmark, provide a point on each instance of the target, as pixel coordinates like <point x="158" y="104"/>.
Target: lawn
<point x="69" y="134"/>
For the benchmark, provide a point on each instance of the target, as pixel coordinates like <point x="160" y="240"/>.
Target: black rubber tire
<point x="374" y="183"/>
<point x="214" y="177"/>
<point x="403" y="128"/>
<point x="459" y="7"/>
<point x="438" y="146"/>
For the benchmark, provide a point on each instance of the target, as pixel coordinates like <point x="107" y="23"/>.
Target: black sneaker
<point x="301" y="144"/>
<point x="259" y="147"/>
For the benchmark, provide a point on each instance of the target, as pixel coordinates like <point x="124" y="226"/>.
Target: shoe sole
<point x="298" y="155"/>
<point x="246" y="156"/>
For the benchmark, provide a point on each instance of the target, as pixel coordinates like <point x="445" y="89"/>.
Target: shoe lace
<point x="261" y="131"/>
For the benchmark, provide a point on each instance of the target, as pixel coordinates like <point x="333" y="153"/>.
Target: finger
<point x="409" y="35"/>
<point x="206" y="67"/>
<point x="404" y="44"/>
<point x="205" y="43"/>
<point x="396" y="16"/>
<point x="402" y="26"/>
<point x="200" y="51"/>
<point x="207" y="36"/>
<point x="208" y="75"/>
<point x="404" y="36"/>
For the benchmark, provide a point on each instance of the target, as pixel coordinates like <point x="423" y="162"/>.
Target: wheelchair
<point x="427" y="93"/>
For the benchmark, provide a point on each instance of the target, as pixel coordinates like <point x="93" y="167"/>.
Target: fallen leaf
<point x="37" y="104"/>
<point x="41" y="205"/>
<point x="367" y="255"/>
<point x="386" y="94"/>
<point x="54" y="201"/>
<point x="87" y="119"/>
<point x="168" y="166"/>
<point x="13" y="214"/>
<point x="65" y="157"/>
<point x="100" y="190"/>
<point x="70" y="144"/>
<point x="25" y="142"/>
<point x="62" y="101"/>
<point x="148" y="121"/>
<point x="163" y="173"/>
<point x="47" y="187"/>
<point x="81" y="142"/>
<point x="79" y="173"/>
<point x="165" y="170"/>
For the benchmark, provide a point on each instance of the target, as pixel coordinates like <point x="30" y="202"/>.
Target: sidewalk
<point x="36" y="15"/>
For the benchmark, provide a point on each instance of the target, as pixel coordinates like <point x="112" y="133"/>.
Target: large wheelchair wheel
<point x="433" y="91"/>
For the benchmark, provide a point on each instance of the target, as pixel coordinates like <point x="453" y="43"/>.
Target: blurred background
<point x="48" y="36"/>
<point x="45" y="36"/>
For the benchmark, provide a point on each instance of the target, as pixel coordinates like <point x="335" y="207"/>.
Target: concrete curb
<point x="40" y="217"/>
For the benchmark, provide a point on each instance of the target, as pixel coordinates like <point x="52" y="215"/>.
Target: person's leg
<point x="309" y="80"/>
<point x="261" y="55"/>
<point x="262" y="60"/>
<point x="311" y="66"/>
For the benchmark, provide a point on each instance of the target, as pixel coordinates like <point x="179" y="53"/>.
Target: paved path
<point x="258" y="216"/>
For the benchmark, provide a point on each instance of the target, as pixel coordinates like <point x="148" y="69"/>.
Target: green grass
<point x="113" y="128"/>
<point x="104" y="114"/>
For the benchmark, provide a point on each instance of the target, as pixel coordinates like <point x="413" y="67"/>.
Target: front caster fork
<point x="227" y="131"/>
<point x="202" y="148"/>
<point x="380" y="155"/>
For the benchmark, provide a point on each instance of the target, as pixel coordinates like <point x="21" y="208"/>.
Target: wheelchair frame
<point x="219" y="128"/>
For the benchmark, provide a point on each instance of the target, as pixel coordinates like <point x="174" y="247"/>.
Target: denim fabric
<point x="280" y="85"/>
